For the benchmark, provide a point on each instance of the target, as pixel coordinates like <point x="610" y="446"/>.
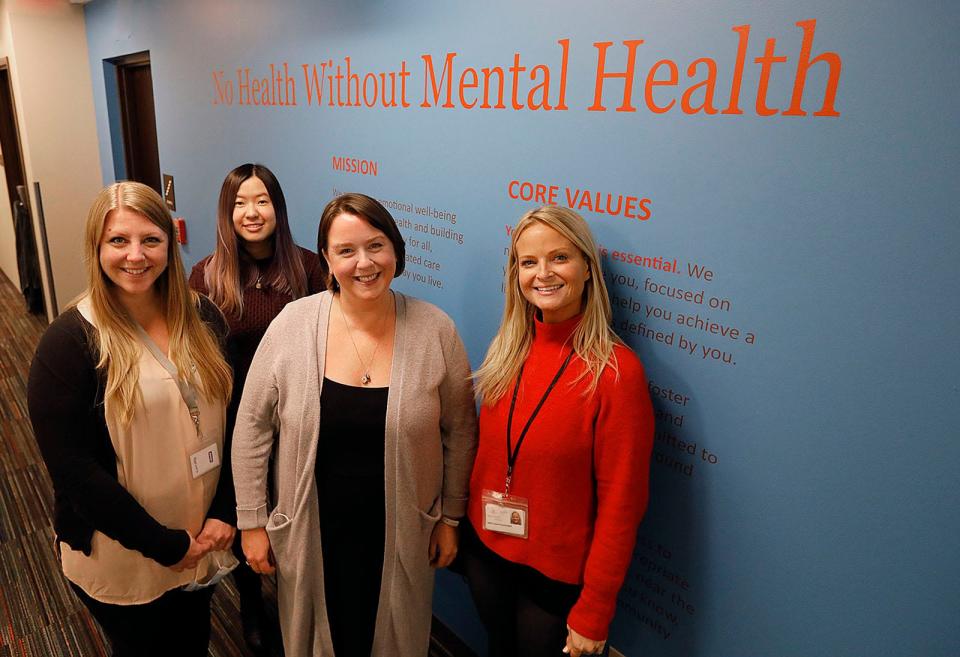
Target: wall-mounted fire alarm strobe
<point x="180" y="229"/>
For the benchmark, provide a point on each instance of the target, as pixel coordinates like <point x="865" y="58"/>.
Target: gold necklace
<point x="365" y="378"/>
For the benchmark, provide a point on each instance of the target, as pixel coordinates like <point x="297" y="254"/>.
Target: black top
<point x="350" y="487"/>
<point x="65" y="398"/>
<point x="350" y="453"/>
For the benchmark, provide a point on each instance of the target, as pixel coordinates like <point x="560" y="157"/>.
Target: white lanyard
<point x="187" y="391"/>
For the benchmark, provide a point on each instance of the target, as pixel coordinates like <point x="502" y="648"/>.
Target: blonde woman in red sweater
<point x="566" y="426"/>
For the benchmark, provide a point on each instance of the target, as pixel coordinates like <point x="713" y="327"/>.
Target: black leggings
<point x="176" y="623"/>
<point x="524" y="611"/>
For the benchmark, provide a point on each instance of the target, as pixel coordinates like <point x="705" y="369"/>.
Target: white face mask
<point x="225" y="561"/>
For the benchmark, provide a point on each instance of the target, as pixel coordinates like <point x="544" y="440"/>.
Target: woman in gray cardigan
<point x="369" y="491"/>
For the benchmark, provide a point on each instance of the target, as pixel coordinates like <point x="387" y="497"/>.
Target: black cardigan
<point x="65" y="397"/>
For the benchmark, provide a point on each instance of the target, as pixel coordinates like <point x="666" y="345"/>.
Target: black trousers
<point x="176" y="623"/>
<point x="524" y="611"/>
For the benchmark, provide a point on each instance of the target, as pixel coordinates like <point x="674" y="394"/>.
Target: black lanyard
<point x="512" y="453"/>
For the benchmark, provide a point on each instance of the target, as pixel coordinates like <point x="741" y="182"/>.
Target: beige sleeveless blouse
<point x="153" y="464"/>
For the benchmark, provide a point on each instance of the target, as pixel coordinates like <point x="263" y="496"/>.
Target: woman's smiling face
<point x="133" y="253"/>
<point x="360" y="256"/>
<point x="254" y="218"/>
<point x="551" y="272"/>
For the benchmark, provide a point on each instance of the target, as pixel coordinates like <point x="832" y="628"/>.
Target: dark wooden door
<point x="135" y="85"/>
<point x="28" y="259"/>
<point x="9" y="136"/>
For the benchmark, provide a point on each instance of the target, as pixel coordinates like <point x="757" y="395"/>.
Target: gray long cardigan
<point x="430" y="445"/>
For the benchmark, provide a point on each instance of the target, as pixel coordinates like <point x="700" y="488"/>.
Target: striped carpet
<point x="39" y="615"/>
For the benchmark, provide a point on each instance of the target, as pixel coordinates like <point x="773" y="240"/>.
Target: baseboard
<point x="444" y="643"/>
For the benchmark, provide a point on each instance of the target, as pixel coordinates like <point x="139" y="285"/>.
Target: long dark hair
<point x="222" y="273"/>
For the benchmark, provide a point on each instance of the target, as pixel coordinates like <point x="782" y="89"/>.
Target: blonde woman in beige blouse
<point x="127" y="394"/>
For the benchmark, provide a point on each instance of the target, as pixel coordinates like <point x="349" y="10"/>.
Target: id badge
<point x="505" y="514"/>
<point x="204" y="460"/>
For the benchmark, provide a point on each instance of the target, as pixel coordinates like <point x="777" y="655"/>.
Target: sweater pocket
<point x="414" y="531"/>
<point x="413" y="541"/>
<point x="433" y="515"/>
<point x="278" y="530"/>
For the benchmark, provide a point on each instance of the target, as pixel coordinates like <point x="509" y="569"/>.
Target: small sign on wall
<point x="169" y="196"/>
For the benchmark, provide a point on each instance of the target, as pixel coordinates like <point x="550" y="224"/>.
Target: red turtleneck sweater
<point x="583" y="466"/>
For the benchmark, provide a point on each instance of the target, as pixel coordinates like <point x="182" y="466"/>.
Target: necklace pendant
<point x="365" y="379"/>
<point x="258" y="286"/>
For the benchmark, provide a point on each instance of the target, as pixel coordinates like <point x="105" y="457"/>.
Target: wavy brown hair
<point x="222" y="272"/>
<point x="191" y="340"/>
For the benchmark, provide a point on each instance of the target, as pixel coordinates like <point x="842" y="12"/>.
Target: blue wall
<point x="828" y="523"/>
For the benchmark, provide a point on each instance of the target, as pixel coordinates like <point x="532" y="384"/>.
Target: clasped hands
<point x="215" y="535"/>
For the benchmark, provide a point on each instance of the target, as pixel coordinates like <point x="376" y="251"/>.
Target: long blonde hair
<point x="116" y="339"/>
<point x="593" y="339"/>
